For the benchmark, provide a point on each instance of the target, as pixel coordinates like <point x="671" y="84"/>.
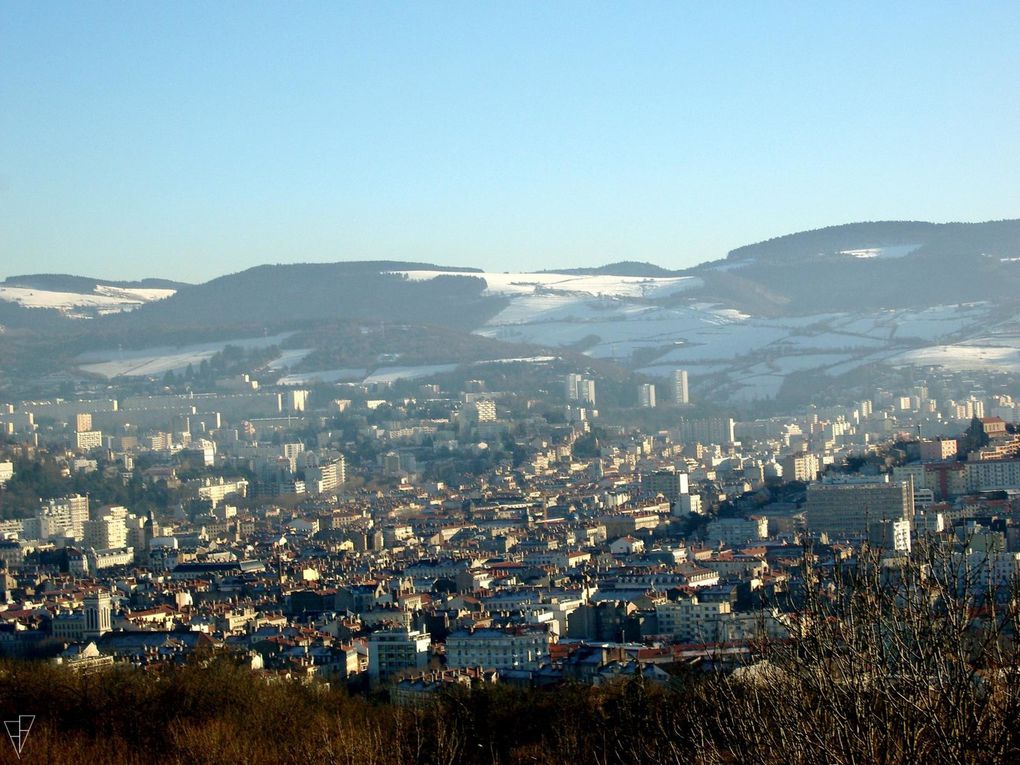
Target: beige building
<point x="87" y="440"/>
<point x="800" y="467"/>
<point x="939" y="450"/>
<point x="107" y="532"/>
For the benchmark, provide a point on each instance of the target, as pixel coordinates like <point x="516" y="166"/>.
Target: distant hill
<point x="863" y="294"/>
<point x="994" y="238"/>
<point x="886" y="264"/>
<point x="14" y="316"/>
<point x="362" y="291"/>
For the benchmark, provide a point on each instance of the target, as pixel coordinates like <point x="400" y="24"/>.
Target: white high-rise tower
<point x="679" y="381"/>
<point x="646" y="395"/>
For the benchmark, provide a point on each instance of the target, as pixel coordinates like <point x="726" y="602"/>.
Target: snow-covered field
<point x="152" y="362"/>
<point x="745" y="357"/>
<point x="519" y="360"/>
<point x="289" y="358"/>
<point x="960" y="356"/>
<point x="738" y="356"/>
<point x="596" y="284"/>
<point x="143" y="295"/>
<point x="344" y="374"/>
<point x="105" y="299"/>
<point x="392" y="374"/>
<point x="895" y="251"/>
<point x="939" y="321"/>
<point x="748" y="380"/>
<point x="617" y="327"/>
<point x="380" y="375"/>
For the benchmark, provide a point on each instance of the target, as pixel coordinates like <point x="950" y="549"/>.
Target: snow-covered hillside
<point x="589" y="284"/>
<point x="155" y="362"/>
<point x="104" y="299"/>
<point x="732" y="354"/>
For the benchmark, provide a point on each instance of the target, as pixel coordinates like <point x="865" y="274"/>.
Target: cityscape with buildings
<point x="509" y="383"/>
<point x="405" y="537"/>
<point x="406" y="540"/>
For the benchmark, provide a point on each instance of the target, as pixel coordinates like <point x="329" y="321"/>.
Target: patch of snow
<point x="975" y="357"/>
<point x="61" y="301"/>
<point x="728" y="342"/>
<point x="145" y="295"/>
<point x="895" y="251"/>
<point x="104" y="299"/>
<point x="828" y="341"/>
<point x="392" y="374"/>
<point x="591" y="284"/>
<point x="289" y="358"/>
<point x="522" y="360"/>
<point x="154" y="362"/>
<point x="529" y="309"/>
<point x="324" y="376"/>
<point x="937" y="322"/>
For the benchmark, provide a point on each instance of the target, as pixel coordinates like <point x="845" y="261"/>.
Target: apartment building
<point x="519" y="648"/>
<point x="844" y="509"/>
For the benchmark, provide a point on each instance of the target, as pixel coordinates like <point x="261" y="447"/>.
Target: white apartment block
<point x="989" y="475"/>
<point x="678" y="380"/>
<point x="59" y="518"/>
<point x="87" y="440"/>
<point x="890" y="535"/>
<point x="646" y="396"/>
<point x="393" y="651"/>
<point x="100" y="559"/>
<point x="522" y="648"/>
<point x="690" y="621"/>
<point x="688" y="504"/>
<point x="738" y="531"/>
<point x="217" y="491"/>
<point x="325" y="478"/>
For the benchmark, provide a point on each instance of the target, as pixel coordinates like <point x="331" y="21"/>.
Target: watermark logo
<point x="18" y="731"/>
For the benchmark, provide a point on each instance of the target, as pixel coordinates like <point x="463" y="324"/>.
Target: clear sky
<point x="188" y="140"/>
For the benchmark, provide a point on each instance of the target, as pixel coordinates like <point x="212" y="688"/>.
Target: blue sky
<point x="188" y="140"/>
